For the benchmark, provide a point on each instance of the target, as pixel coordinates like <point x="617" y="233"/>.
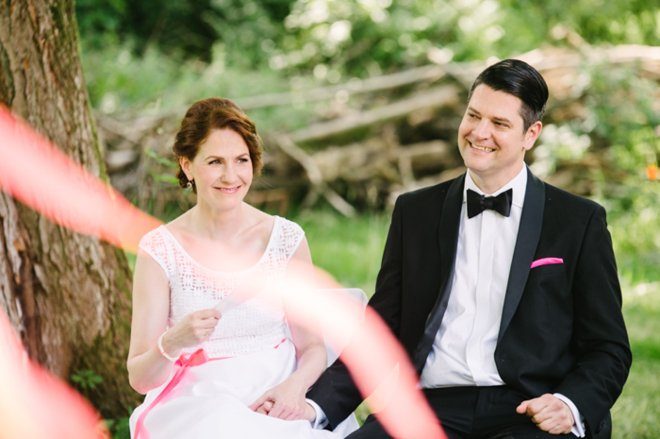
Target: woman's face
<point x="222" y="169"/>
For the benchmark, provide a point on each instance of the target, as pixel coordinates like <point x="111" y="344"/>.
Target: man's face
<point x="491" y="139"/>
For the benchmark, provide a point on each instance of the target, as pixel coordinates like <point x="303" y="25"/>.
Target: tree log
<point x="434" y="98"/>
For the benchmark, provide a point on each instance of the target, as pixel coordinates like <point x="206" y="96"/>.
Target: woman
<point x="202" y="352"/>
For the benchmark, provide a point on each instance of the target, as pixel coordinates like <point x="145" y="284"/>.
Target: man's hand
<point x="284" y="401"/>
<point x="549" y="413"/>
<point x="309" y="414"/>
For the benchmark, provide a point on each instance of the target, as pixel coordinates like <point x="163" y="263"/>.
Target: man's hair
<point x="520" y="80"/>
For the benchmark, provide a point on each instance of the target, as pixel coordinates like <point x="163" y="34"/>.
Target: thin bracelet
<point x="162" y="351"/>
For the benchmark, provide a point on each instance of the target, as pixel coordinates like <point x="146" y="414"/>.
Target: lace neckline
<point x="271" y="240"/>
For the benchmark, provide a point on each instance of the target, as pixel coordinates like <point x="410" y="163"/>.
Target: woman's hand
<point x="192" y="330"/>
<point x="284" y="401"/>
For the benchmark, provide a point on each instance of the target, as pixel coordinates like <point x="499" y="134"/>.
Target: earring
<point x="191" y="182"/>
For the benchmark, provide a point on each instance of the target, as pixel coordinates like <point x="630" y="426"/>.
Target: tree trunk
<point x="68" y="295"/>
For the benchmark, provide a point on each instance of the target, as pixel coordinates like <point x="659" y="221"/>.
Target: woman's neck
<point x="218" y="224"/>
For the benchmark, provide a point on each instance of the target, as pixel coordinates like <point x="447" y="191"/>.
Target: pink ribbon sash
<point x="184" y="362"/>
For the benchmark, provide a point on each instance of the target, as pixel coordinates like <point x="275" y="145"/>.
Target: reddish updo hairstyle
<point x="214" y="113"/>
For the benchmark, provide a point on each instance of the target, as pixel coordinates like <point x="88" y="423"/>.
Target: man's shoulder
<point x="429" y="194"/>
<point x="561" y="199"/>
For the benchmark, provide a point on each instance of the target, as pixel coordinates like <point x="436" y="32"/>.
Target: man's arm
<point x="600" y="340"/>
<point x="335" y="392"/>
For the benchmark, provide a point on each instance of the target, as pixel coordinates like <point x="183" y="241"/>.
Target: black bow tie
<point x="478" y="203"/>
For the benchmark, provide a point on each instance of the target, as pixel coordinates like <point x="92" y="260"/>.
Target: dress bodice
<point x="246" y="325"/>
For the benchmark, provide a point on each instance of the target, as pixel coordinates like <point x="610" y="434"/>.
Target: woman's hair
<point x="214" y="113"/>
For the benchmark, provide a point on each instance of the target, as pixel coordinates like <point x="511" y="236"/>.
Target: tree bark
<point x="68" y="295"/>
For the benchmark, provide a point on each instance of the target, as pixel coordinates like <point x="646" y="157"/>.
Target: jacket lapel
<point x="448" y="231"/>
<point x="447" y="241"/>
<point x="529" y="233"/>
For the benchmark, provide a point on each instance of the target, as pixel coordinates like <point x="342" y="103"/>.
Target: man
<point x="502" y="289"/>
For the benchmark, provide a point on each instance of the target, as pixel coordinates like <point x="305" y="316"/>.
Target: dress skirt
<point x="211" y="401"/>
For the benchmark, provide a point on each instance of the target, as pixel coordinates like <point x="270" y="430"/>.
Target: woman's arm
<point x="310" y="350"/>
<point x="147" y="367"/>
<point x="287" y="400"/>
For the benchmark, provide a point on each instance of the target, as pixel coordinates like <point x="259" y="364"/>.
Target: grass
<point x="637" y="412"/>
<point x="351" y="250"/>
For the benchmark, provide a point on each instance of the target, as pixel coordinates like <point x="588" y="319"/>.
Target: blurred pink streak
<point x="35" y="172"/>
<point x="38" y="174"/>
<point x="375" y="359"/>
<point x="34" y="404"/>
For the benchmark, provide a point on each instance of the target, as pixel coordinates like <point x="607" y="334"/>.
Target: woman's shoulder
<point x="152" y="237"/>
<point x="155" y="244"/>
<point x="288" y="226"/>
<point x="164" y="237"/>
<point x="289" y="235"/>
<point x="274" y="223"/>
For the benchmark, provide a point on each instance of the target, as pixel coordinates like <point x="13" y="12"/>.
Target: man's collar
<point x="517" y="183"/>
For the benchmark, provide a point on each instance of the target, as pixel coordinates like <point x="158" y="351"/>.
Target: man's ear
<point x="533" y="133"/>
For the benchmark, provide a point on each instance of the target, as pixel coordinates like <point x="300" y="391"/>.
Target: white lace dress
<point x="250" y="349"/>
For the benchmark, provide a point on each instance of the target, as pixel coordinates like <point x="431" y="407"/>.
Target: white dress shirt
<point x="463" y="352"/>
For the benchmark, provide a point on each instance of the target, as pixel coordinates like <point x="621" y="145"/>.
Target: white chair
<point x="360" y="298"/>
<point x="350" y="424"/>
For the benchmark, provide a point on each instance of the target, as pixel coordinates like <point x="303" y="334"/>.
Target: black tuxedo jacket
<point x="561" y="330"/>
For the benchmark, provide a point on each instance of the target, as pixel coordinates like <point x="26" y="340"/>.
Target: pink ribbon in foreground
<point x="42" y="177"/>
<point x="39" y="175"/>
<point x="36" y="405"/>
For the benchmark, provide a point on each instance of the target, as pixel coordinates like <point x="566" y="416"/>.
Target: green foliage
<point x="623" y="119"/>
<point x="335" y="38"/>
<point x="119" y="428"/>
<point x="177" y="27"/>
<point x="532" y="23"/>
<point x="248" y="30"/>
<point x="338" y="38"/>
<point x="119" y="80"/>
<point x="634" y="224"/>
<point x="100" y="21"/>
<point x="184" y="30"/>
<point x="635" y="414"/>
<point x="616" y="133"/>
<point x="86" y="379"/>
<point x="348" y="249"/>
<point x="136" y="58"/>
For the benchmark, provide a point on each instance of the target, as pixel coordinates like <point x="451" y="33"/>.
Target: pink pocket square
<point x="546" y="261"/>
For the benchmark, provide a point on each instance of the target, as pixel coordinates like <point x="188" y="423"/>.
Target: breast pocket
<point x="547" y="302"/>
<point x="551" y="277"/>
